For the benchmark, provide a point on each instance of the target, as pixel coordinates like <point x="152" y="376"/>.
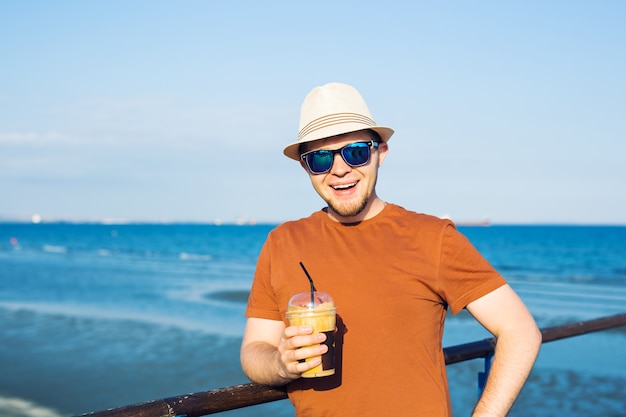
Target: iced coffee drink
<point x="317" y="310"/>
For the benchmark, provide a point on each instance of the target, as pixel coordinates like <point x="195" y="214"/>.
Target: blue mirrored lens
<point x="320" y="161"/>
<point x="356" y="154"/>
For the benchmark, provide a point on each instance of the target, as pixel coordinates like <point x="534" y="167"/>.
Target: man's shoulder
<point x="400" y="214"/>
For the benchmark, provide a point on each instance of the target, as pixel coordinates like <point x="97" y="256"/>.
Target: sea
<point x="95" y="316"/>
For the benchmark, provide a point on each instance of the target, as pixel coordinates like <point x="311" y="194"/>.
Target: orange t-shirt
<point x="392" y="278"/>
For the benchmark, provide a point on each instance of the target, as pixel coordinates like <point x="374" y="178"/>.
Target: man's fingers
<point x="292" y="331"/>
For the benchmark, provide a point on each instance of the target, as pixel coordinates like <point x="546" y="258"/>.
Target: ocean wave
<point x="231" y="321"/>
<point x="194" y="257"/>
<point x="54" y="249"/>
<point x="129" y="253"/>
<point x="19" y="407"/>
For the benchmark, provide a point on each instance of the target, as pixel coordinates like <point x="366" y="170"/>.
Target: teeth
<point x="344" y="186"/>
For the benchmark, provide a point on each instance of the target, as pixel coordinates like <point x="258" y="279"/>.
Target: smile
<point x="344" y="186"/>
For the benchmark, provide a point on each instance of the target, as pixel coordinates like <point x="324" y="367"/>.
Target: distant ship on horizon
<point x="483" y="222"/>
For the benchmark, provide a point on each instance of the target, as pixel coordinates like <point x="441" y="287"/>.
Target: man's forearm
<point x="513" y="361"/>
<point x="261" y="363"/>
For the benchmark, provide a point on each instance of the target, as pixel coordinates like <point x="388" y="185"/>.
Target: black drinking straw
<point x="312" y="285"/>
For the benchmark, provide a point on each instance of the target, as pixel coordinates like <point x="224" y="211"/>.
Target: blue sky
<point x="179" y="110"/>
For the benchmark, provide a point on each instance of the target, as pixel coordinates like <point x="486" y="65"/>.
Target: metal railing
<point x="239" y="396"/>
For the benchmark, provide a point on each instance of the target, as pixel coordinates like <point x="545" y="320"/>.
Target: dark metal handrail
<point x="239" y="396"/>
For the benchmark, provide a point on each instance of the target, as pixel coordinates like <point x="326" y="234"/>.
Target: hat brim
<point x="293" y="150"/>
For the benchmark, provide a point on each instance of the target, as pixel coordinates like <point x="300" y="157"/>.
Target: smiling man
<point x="393" y="274"/>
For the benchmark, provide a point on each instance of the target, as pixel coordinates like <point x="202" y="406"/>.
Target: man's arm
<point x="271" y="353"/>
<point x="504" y="314"/>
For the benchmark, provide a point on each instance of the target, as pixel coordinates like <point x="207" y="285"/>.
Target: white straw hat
<point x="330" y="110"/>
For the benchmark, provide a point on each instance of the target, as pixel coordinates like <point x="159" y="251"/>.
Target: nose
<point x="340" y="168"/>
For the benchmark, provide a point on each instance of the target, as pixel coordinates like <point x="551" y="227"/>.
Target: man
<point x="393" y="274"/>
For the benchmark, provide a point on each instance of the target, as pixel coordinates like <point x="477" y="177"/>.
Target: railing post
<point x="482" y="376"/>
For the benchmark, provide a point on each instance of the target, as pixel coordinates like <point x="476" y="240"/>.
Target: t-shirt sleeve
<point x="465" y="275"/>
<point x="262" y="301"/>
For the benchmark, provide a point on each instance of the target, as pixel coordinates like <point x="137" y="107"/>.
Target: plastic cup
<point x="319" y="313"/>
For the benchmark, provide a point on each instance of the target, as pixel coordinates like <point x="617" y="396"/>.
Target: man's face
<point x="349" y="192"/>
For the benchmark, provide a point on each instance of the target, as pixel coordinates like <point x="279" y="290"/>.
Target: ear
<point x="383" y="148"/>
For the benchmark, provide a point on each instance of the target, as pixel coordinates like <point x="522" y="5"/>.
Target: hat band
<point x="334" y="119"/>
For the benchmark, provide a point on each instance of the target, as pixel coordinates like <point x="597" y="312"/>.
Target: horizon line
<point x="252" y="222"/>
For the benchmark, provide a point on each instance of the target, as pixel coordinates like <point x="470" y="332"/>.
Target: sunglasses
<point x="355" y="154"/>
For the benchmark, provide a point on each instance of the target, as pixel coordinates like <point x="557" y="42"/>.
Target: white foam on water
<point x="19" y="407"/>
<point x="185" y="256"/>
<point x="54" y="249"/>
<point x="226" y="326"/>
<point x="575" y="300"/>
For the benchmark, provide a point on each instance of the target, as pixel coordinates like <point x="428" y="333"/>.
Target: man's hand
<point x="300" y="350"/>
<point x="273" y="354"/>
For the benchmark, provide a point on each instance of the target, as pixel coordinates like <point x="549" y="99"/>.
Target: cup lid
<point x="308" y="300"/>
